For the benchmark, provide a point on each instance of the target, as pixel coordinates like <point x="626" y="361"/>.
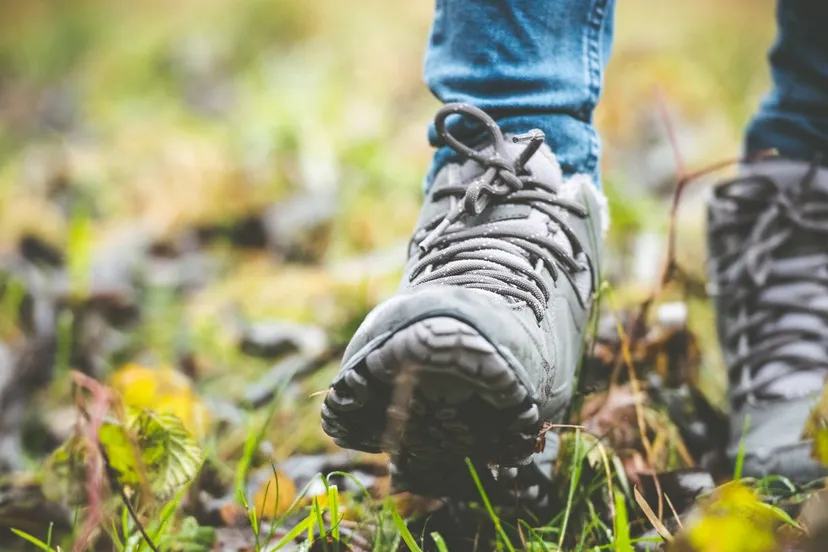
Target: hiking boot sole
<point x="432" y="394"/>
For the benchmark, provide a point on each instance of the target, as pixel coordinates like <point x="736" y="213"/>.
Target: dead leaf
<point x="233" y="515"/>
<point x="611" y="416"/>
<point x="163" y="390"/>
<point x="657" y="525"/>
<point x="275" y="496"/>
<point x="733" y="519"/>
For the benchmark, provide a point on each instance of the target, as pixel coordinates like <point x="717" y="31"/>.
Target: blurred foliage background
<point x="256" y="160"/>
<point x="150" y="119"/>
<point x="173" y="113"/>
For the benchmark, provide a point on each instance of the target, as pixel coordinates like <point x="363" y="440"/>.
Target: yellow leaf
<point x="820" y="448"/>
<point x="816" y="428"/>
<point x="274" y="496"/>
<point x="163" y="390"/>
<point x="733" y="520"/>
<point x="138" y="385"/>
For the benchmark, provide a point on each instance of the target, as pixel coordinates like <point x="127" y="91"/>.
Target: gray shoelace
<point x="501" y="257"/>
<point x="777" y="282"/>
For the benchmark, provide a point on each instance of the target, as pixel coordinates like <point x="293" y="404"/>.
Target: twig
<point x="683" y="178"/>
<point x="639" y="409"/>
<point x="661" y="101"/>
<point x="549" y="426"/>
<point x="134" y="515"/>
<point x="670" y="267"/>
<point x="113" y="479"/>
<point x="94" y="476"/>
<point x="102" y="402"/>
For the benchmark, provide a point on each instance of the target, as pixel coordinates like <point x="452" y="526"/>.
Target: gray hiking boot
<point x="768" y="231"/>
<point x="480" y="345"/>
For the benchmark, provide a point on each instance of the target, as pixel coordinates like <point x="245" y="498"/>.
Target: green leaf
<point x="120" y="453"/>
<point x="169" y="453"/>
<point x="155" y="448"/>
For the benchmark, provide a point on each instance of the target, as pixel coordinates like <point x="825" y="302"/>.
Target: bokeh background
<point x="129" y="125"/>
<point x="199" y="168"/>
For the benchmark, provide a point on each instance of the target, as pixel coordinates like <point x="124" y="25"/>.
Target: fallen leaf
<point x="163" y="390"/>
<point x="170" y="454"/>
<point x="233" y="515"/>
<point x="657" y="524"/>
<point x="275" y="496"/>
<point x="733" y="519"/>
<point x="816" y="428"/>
<point x="611" y="416"/>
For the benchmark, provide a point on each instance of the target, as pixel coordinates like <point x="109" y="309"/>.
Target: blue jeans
<point x="540" y="64"/>
<point x="794" y="116"/>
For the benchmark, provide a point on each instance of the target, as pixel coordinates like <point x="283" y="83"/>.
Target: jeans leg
<point x="529" y="64"/>
<point x="793" y="118"/>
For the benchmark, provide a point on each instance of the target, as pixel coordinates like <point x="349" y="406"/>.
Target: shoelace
<point x="501" y="258"/>
<point x="783" y="306"/>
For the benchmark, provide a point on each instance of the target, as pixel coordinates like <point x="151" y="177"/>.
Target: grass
<point x="575" y="476"/>
<point x="740" y="456"/>
<point x="502" y="536"/>
<point x="47" y="546"/>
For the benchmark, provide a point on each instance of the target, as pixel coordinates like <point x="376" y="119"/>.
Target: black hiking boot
<point x="480" y="345"/>
<point x="768" y="231"/>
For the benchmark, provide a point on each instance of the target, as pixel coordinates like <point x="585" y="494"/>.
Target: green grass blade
<point x="297" y="500"/>
<point x="780" y="514"/>
<point x="405" y="533"/>
<point x="333" y="506"/>
<point x="439" y="542"/>
<point x="622" y="527"/>
<point x="297" y="530"/>
<point x="251" y="518"/>
<point x="320" y="523"/>
<point x="254" y="439"/>
<point x="167" y="513"/>
<point x="740" y="457"/>
<point x="273" y="526"/>
<point x="116" y="538"/>
<point x="496" y="520"/>
<point x="573" y="482"/>
<point x="125" y="528"/>
<point x="536" y="538"/>
<point x="34" y="540"/>
<point x="256" y="516"/>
